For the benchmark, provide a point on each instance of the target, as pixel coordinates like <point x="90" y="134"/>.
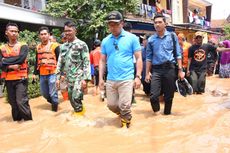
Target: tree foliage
<point x="31" y="39"/>
<point x="227" y="31"/>
<point x="89" y="15"/>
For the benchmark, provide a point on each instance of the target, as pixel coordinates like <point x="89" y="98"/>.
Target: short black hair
<point x="127" y="26"/>
<point x="97" y="43"/>
<point x="159" y="16"/>
<point x="70" y="24"/>
<point x="11" y="24"/>
<point x="43" y="28"/>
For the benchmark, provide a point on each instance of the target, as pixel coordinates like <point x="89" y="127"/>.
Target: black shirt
<point x="199" y="56"/>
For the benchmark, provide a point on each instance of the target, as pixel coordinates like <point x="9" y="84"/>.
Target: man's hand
<point x="148" y="77"/>
<point x="137" y="83"/>
<point x="83" y="84"/>
<point x="188" y="73"/>
<point x="181" y="74"/>
<point x="14" y="67"/>
<point x="58" y="84"/>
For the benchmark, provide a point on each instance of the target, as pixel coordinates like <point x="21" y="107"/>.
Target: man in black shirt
<point x="15" y="72"/>
<point x="197" y="62"/>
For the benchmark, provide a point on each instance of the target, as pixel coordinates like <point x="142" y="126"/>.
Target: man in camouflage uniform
<point x="74" y="64"/>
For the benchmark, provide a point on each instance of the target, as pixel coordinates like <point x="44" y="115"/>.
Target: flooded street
<point x="198" y="124"/>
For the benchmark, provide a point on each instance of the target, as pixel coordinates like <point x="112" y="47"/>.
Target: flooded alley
<point x="198" y="124"/>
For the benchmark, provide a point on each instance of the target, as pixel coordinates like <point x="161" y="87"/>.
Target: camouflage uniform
<point x="74" y="63"/>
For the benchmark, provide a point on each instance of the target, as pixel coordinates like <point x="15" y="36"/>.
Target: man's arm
<point x="60" y="66"/>
<point x="139" y="63"/>
<point x="86" y="63"/>
<point x="1" y="65"/>
<point x="36" y="71"/>
<point x="102" y="64"/>
<point x="57" y="51"/>
<point x="139" y="66"/>
<point x="148" y="67"/>
<point x="149" y="56"/>
<point x="222" y="49"/>
<point x="17" y="59"/>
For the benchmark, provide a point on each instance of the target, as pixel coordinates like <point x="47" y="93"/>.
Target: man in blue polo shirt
<point x="160" y="57"/>
<point x="117" y="50"/>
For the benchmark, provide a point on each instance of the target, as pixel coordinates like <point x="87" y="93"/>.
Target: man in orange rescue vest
<point x="46" y="62"/>
<point x="15" y="72"/>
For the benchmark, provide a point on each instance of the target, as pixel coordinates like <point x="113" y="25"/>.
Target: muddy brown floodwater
<point x="198" y="124"/>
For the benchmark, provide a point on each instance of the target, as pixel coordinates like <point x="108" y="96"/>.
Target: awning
<point x="141" y="27"/>
<point x="195" y="27"/>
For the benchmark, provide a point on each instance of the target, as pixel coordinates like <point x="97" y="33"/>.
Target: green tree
<point x="89" y="15"/>
<point x="31" y="39"/>
<point x="227" y="31"/>
<point x="57" y="33"/>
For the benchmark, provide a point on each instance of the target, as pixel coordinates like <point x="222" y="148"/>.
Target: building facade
<point x="186" y="16"/>
<point x="27" y="14"/>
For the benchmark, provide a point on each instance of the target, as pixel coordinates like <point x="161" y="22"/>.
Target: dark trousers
<point x="18" y="99"/>
<point x="163" y="80"/>
<point x="198" y="80"/>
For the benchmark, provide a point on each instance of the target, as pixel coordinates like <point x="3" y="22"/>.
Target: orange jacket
<point x="185" y="47"/>
<point x="20" y="73"/>
<point x="46" y="59"/>
<point x="95" y="55"/>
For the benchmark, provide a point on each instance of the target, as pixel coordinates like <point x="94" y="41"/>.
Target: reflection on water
<point x="198" y="124"/>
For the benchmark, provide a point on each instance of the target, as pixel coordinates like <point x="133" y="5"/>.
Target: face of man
<point x="70" y="33"/>
<point x="159" y="24"/>
<point x="12" y="33"/>
<point x="199" y="40"/>
<point x="44" y="36"/>
<point x="145" y="41"/>
<point x="52" y="39"/>
<point x="115" y="28"/>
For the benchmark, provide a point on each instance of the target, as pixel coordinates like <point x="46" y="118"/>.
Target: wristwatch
<point x="138" y="76"/>
<point x="180" y="69"/>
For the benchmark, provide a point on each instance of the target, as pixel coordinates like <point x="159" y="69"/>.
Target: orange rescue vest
<point x="20" y="73"/>
<point x="46" y="59"/>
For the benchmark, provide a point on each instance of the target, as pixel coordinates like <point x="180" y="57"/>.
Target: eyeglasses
<point x="115" y="45"/>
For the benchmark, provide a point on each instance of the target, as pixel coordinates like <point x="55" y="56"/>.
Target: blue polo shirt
<point x="119" y="52"/>
<point x="160" y="50"/>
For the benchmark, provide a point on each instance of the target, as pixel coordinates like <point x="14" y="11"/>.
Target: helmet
<point x="183" y="87"/>
<point x="97" y="42"/>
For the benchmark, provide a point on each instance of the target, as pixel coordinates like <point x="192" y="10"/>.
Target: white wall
<point x="177" y="11"/>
